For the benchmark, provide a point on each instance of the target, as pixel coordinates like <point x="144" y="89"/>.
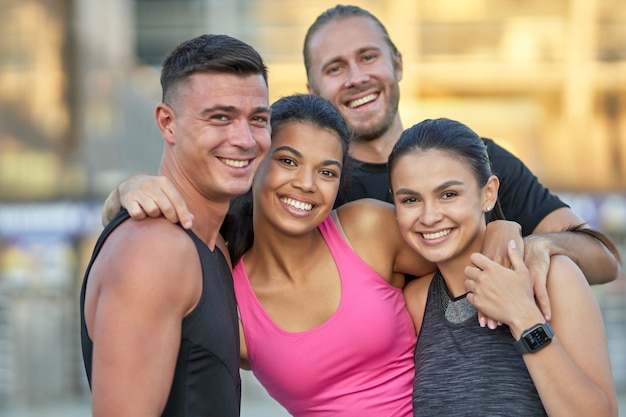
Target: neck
<point x="453" y="269"/>
<point x="208" y="213"/>
<point x="208" y="218"/>
<point x="376" y="150"/>
<point x="275" y="256"/>
<point x="454" y="278"/>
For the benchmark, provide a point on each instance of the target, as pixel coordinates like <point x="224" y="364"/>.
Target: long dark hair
<point x="237" y="228"/>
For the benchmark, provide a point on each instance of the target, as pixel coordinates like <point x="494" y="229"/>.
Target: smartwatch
<point x="535" y="338"/>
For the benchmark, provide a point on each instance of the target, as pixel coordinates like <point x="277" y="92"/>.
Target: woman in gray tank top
<point x="443" y="188"/>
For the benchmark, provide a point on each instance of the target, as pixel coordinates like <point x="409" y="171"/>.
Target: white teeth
<point x="362" y="101"/>
<point x="235" y="163"/>
<point x="297" y="204"/>
<point x="430" y="236"/>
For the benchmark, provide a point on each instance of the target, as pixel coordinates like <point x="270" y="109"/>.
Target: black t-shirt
<point x="522" y="197"/>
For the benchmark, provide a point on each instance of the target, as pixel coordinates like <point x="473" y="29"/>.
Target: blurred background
<point x="79" y="81"/>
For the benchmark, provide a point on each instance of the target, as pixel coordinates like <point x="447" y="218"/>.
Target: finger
<point x="177" y="213"/>
<point x="185" y="217"/>
<point x="150" y="205"/>
<point x="472" y="273"/>
<point x="515" y="256"/>
<point x="155" y="202"/>
<point x="179" y="210"/>
<point x="165" y="206"/>
<point x="135" y="211"/>
<point x="480" y="261"/>
<point x="482" y="319"/>
<point x="543" y="301"/>
<point x="470" y="284"/>
<point x="140" y="200"/>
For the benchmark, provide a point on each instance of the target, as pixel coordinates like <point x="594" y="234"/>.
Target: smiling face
<point x="440" y="205"/>
<point x="352" y="65"/>
<point x="296" y="186"/>
<point x="217" y="132"/>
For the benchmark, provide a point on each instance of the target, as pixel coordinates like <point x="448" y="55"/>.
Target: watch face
<point x="537" y="338"/>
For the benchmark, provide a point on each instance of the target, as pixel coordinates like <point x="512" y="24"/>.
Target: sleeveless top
<point x="357" y="363"/>
<point x="206" y="379"/>
<point x="462" y="369"/>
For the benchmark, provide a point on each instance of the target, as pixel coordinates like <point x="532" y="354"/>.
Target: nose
<point x="430" y="214"/>
<point x="242" y="136"/>
<point x="305" y="180"/>
<point x="356" y="75"/>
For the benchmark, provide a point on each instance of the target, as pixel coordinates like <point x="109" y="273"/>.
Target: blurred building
<point x="79" y="80"/>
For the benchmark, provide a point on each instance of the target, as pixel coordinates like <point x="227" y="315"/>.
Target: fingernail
<point x="512" y="244"/>
<point x="482" y="322"/>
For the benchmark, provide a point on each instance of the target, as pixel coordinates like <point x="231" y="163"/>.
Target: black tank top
<point x="206" y="380"/>
<point x="462" y="369"/>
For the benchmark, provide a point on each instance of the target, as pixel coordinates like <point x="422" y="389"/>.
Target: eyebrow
<point x="233" y="109"/>
<point x="299" y="155"/>
<point x="359" y="51"/>
<point x="289" y="149"/>
<point x="447" y="184"/>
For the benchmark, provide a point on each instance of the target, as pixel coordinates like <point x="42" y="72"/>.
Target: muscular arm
<point x="134" y="310"/>
<point x="598" y="261"/>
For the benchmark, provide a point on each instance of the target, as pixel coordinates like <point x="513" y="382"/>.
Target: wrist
<point x="524" y="322"/>
<point x="540" y="243"/>
<point x="535" y="338"/>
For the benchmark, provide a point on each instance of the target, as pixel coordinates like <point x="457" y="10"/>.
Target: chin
<point x="237" y="189"/>
<point x="434" y="256"/>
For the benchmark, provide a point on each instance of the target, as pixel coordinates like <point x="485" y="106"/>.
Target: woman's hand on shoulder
<point x="153" y="196"/>
<point x="503" y="294"/>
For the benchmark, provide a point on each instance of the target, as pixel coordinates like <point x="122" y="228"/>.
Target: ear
<point x="490" y="193"/>
<point x="165" y="116"/>
<point x="310" y="89"/>
<point x="398" y="66"/>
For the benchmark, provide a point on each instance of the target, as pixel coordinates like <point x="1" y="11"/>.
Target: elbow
<point x="604" y="276"/>
<point x="610" y="271"/>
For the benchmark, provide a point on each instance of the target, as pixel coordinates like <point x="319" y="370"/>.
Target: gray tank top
<point x="462" y="369"/>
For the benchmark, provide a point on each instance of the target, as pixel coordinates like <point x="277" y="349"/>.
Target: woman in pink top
<point x="325" y="329"/>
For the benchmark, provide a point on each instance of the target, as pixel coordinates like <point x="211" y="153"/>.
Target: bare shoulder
<point x="366" y="207"/>
<point x="155" y="240"/>
<point x="366" y="216"/>
<point x="149" y="254"/>
<point x="565" y="276"/>
<point x="571" y="297"/>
